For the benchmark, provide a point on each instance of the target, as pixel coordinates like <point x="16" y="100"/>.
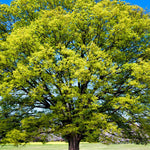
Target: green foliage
<point x="5" y="21"/>
<point x="75" y="68"/>
<point x="35" y="127"/>
<point x="15" y="136"/>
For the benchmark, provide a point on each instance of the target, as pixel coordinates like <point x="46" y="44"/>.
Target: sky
<point x="142" y="3"/>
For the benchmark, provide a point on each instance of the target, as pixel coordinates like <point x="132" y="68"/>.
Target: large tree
<point x="79" y="69"/>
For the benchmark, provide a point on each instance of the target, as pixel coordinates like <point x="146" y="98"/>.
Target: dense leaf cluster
<point x="78" y="68"/>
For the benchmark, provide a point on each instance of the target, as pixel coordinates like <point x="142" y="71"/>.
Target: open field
<point x="83" y="146"/>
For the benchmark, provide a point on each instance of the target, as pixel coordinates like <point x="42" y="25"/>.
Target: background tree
<point x="79" y="69"/>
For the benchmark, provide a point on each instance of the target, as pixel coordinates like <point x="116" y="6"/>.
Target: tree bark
<point x="74" y="142"/>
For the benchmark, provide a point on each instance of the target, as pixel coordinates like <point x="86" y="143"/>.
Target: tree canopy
<point x="76" y="68"/>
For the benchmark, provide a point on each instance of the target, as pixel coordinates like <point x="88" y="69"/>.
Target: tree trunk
<point x="74" y="142"/>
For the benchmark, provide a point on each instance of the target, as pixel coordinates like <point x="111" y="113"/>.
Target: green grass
<point x="83" y="146"/>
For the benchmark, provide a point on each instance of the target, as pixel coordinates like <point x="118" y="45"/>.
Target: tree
<point x="79" y="69"/>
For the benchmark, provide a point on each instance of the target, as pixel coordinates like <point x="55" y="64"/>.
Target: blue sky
<point x="141" y="3"/>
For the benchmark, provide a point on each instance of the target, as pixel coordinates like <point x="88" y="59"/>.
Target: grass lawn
<point x="83" y="146"/>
